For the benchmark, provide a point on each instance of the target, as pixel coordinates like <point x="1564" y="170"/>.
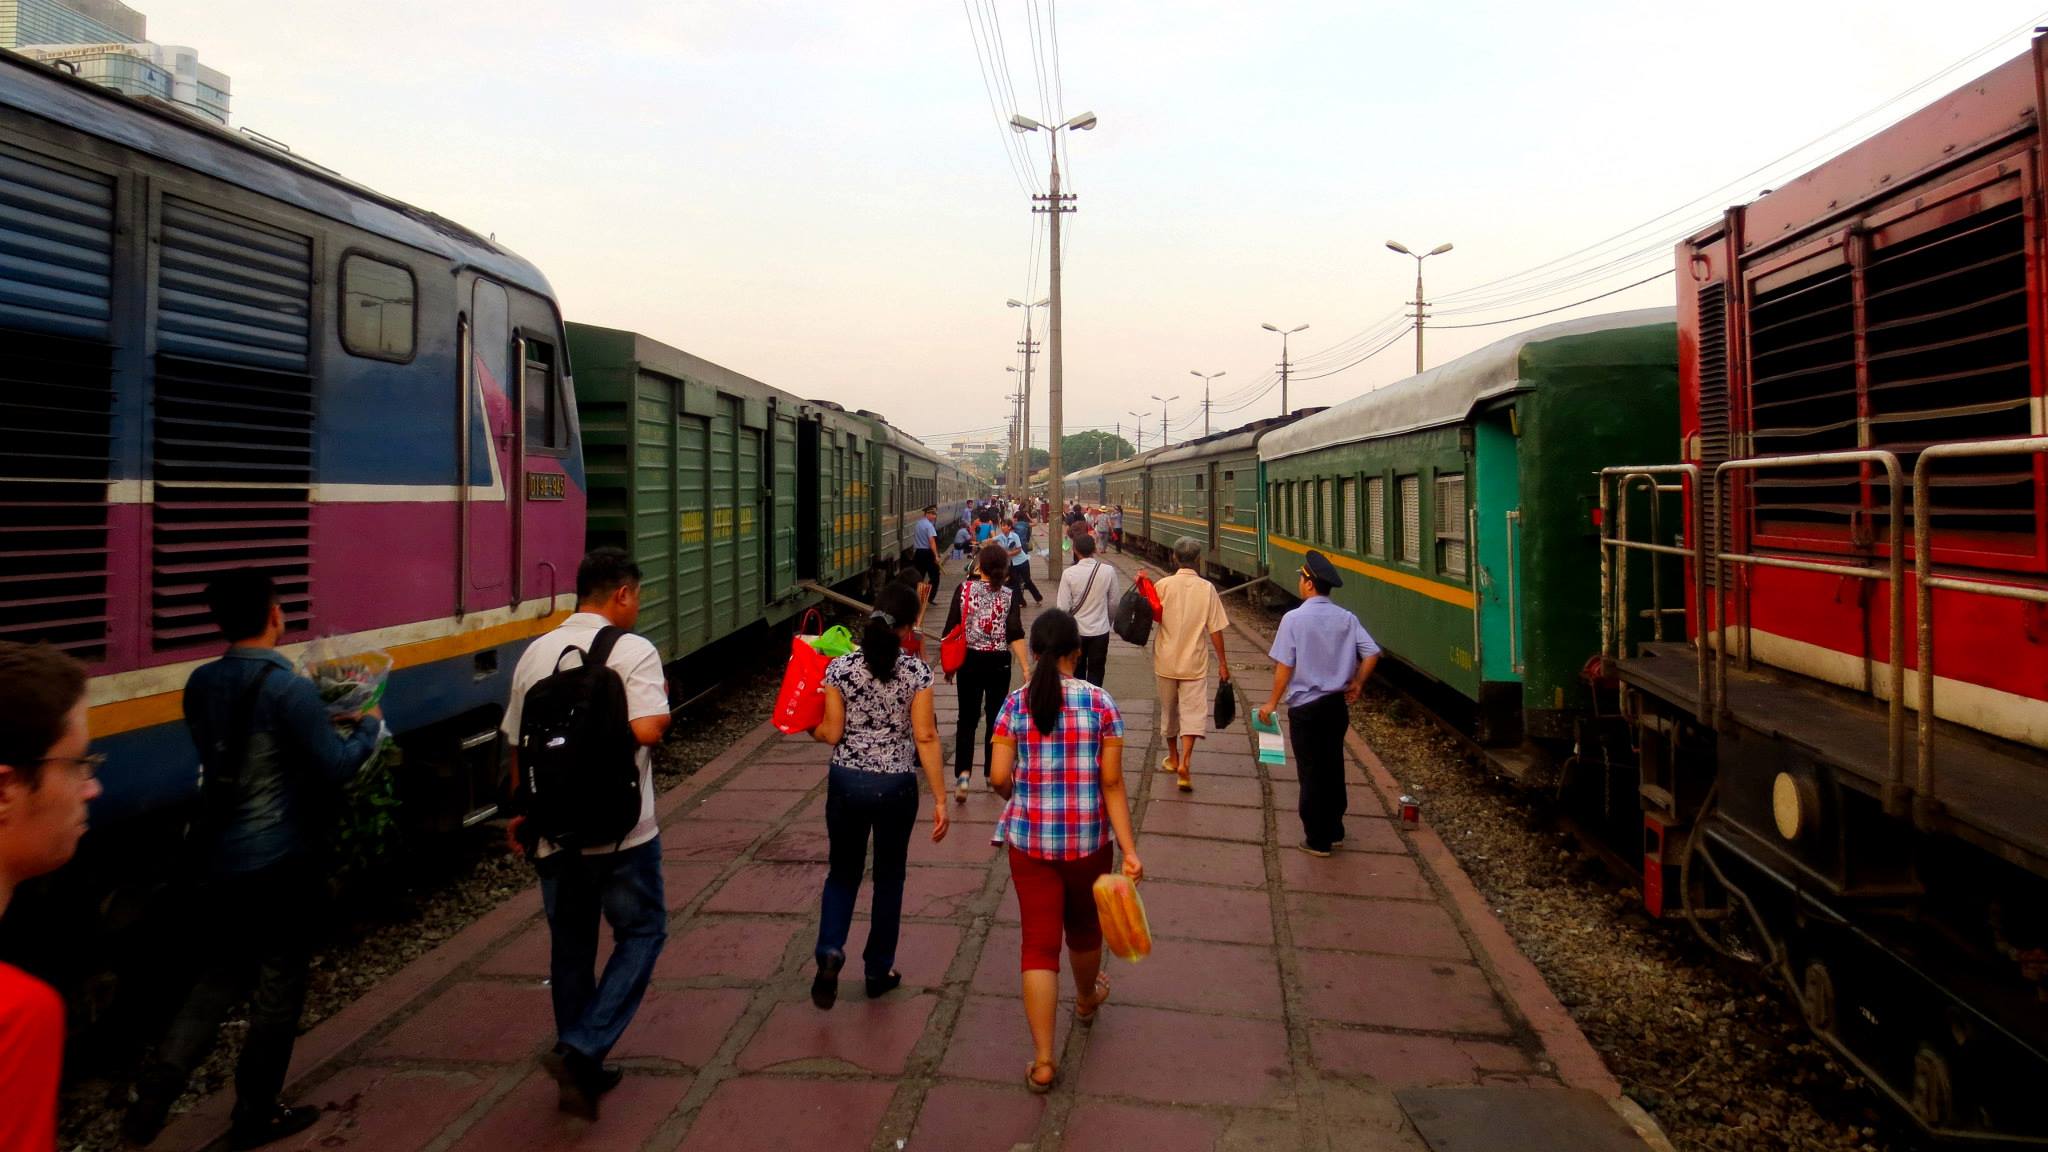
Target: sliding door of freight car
<point x="810" y="506"/>
<point x="734" y="590"/>
<point x="784" y="568"/>
<point x="652" y="469"/>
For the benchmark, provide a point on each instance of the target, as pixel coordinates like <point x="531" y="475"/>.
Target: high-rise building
<point x="104" y="41"/>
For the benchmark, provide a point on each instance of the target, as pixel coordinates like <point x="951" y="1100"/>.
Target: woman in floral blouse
<point x="1059" y="747"/>
<point x="994" y="622"/>
<point x="880" y="723"/>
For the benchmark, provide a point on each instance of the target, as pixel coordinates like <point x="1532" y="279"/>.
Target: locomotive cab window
<point x="547" y="423"/>
<point x="377" y="309"/>
<point x="1450" y="525"/>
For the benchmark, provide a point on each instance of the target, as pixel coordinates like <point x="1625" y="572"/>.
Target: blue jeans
<point x="857" y="803"/>
<point x="625" y="887"/>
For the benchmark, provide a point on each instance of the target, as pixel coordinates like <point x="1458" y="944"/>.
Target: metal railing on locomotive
<point x="1615" y="486"/>
<point x="1925" y="805"/>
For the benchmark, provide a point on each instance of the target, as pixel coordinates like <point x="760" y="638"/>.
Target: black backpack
<point x="578" y="760"/>
<point x="1133" y="617"/>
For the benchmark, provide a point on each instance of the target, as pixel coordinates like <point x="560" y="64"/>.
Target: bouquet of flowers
<point x="351" y="683"/>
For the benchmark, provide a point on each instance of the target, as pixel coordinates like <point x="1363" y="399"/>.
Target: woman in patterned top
<point x="1059" y="764"/>
<point x="880" y="723"/>
<point x="995" y="633"/>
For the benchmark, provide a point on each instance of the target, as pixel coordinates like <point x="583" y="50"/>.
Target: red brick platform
<point x="1287" y="998"/>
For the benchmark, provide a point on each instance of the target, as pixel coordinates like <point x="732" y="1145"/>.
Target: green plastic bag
<point x="835" y="641"/>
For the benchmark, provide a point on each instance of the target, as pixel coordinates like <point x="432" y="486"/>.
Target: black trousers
<point x="256" y="933"/>
<point x="1316" y="733"/>
<point x="928" y="564"/>
<point x="1094" y="659"/>
<point x="1021" y="581"/>
<point x="984" y="680"/>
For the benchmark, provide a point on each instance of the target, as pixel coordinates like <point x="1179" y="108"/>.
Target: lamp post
<point x="1029" y="348"/>
<point x="1420" y="305"/>
<point x="1163" y="401"/>
<point x="1138" y="430"/>
<point x="1284" y="334"/>
<point x="1055" y="205"/>
<point x="1206" y="377"/>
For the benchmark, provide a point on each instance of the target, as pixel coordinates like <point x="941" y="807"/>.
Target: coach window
<point x="1347" y="514"/>
<point x="377" y="308"/>
<point x="547" y="425"/>
<point x="1376" y="516"/>
<point x="1408" y="499"/>
<point x="1450" y="524"/>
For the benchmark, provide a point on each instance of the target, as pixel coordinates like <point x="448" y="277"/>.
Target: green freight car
<point x="1459" y="505"/>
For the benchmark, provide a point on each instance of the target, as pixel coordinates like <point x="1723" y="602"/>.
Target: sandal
<point x="1166" y="765"/>
<point x="1041" y="1087"/>
<point x="1186" y="784"/>
<point x="1086" y="1018"/>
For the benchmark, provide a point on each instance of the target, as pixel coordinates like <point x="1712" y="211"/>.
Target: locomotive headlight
<point x="1793" y="804"/>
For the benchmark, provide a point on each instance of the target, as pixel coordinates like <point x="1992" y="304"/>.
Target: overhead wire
<point x="988" y="88"/>
<point x="1560" y="307"/>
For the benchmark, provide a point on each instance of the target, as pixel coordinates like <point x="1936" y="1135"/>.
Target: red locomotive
<point x="1861" y="381"/>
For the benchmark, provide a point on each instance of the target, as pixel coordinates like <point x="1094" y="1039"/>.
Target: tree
<point x="1087" y="449"/>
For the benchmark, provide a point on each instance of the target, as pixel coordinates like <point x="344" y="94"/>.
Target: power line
<point x="1391" y="341"/>
<point x="1002" y="128"/>
<point x="1559" y="308"/>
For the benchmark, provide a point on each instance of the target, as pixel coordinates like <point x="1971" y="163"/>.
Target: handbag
<point x="1226" y="705"/>
<point x="953" y="645"/>
<point x="800" y="704"/>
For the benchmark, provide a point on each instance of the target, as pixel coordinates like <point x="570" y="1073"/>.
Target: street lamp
<point x="1420" y="307"/>
<point x="1055" y="205"/>
<point x="1284" y="334"/>
<point x="1138" y="427"/>
<point x="1163" y="401"/>
<point x="1206" y="377"/>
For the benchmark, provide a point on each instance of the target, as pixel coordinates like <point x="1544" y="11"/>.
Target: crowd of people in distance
<point x="587" y="703"/>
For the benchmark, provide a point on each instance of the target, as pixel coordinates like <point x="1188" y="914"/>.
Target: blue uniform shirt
<point x="1015" y="547"/>
<point x="1324" y="644"/>
<point x="923" y="535"/>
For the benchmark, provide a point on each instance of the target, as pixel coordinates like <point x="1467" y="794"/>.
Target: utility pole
<point x="1419" y="303"/>
<point x="1163" y="402"/>
<point x="1138" y="427"/>
<point x="1206" y="377"/>
<point x="1284" y="364"/>
<point x="1056" y="205"/>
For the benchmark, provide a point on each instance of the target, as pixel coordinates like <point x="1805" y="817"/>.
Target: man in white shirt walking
<point x="621" y="882"/>
<point x="1086" y="592"/>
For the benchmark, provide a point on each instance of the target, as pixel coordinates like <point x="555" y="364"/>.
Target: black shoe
<point x="583" y="1081"/>
<point x="825" y="986"/>
<point x="155" y="1090"/>
<point x="880" y="986"/>
<point x="1313" y="850"/>
<point x="281" y="1122"/>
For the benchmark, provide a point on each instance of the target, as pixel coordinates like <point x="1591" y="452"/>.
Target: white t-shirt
<point x="1093" y="616"/>
<point x="637" y="662"/>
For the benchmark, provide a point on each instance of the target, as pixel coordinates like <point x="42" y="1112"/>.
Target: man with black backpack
<point x="271" y="762"/>
<point x="587" y="702"/>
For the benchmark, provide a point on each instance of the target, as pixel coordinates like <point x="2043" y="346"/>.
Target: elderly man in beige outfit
<point x="1191" y="621"/>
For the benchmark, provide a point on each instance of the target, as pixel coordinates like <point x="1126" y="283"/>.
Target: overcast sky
<point x="818" y="194"/>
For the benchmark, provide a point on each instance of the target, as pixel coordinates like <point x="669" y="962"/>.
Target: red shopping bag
<point x="1150" y="592"/>
<point x="953" y="645"/>
<point x="801" y="702"/>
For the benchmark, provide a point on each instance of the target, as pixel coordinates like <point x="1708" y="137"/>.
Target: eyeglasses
<point x="86" y="766"/>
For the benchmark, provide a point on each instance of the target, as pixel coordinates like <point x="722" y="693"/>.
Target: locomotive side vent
<point x="56" y="404"/>
<point x="1947" y="347"/>
<point x="233" y="434"/>
<point x="1803" y="399"/>
<point x="1714" y="406"/>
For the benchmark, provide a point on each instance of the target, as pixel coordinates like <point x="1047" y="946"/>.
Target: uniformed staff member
<point x="1321" y="658"/>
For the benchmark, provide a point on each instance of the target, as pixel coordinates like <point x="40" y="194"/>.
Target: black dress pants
<point x="1316" y="733"/>
<point x="984" y="680"/>
<point x="1094" y="660"/>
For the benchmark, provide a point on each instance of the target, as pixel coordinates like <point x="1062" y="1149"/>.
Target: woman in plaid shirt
<point x="1058" y="761"/>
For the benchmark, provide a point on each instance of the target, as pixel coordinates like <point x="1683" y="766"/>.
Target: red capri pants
<point x="1056" y="895"/>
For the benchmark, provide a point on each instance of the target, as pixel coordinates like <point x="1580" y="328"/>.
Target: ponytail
<point x="895" y="607"/>
<point x="1053" y="635"/>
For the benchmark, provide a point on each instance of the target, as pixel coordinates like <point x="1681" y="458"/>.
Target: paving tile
<point x="771" y="888"/>
<point x="924" y="952"/>
<point x="996" y="973"/>
<point x="717" y="840"/>
<point x="801" y="842"/>
<point x="528" y="1121"/>
<point x="1411" y="1061"/>
<point x="1395" y="927"/>
<point x="1201" y="976"/>
<point x="965" y="843"/>
<point x="384" y="1109"/>
<point x="1209" y="820"/>
<point x="869" y="1035"/>
<point x="976" y="1118"/>
<point x="1360" y="799"/>
<point x="1399" y="992"/>
<point x="803" y="751"/>
<point x="707" y="947"/>
<point x="1103" y="1126"/>
<point x="1236" y="791"/>
<point x="784" y="1113"/>
<point x="1216" y="762"/>
<point x="1202" y="912"/>
<point x="991" y="1041"/>
<point x="1350" y="874"/>
<point x="1182" y="1058"/>
<point x="685" y="1025"/>
<point x="476" y="1020"/>
<point x="775" y="776"/>
<point x="527" y="953"/>
<point x="933" y="891"/>
<point x="682" y="880"/>
<point x="741" y="805"/>
<point x="1203" y="861"/>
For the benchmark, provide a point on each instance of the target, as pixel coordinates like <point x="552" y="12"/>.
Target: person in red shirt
<point x="46" y="780"/>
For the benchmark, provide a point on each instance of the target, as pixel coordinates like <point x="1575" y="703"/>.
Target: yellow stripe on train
<point x="1461" y="597"/>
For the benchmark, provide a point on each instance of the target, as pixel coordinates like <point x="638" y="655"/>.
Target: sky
<point x="820" y="195"/>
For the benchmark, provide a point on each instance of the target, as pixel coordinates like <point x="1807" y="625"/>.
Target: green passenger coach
<point x="1459" y="505"/>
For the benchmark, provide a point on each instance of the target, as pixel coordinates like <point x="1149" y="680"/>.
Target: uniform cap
<point x="1320" y="570"/>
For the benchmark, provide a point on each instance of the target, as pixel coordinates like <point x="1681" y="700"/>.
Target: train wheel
<point x="1934" y="1099"/>
<point x="1817" y="997"/>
